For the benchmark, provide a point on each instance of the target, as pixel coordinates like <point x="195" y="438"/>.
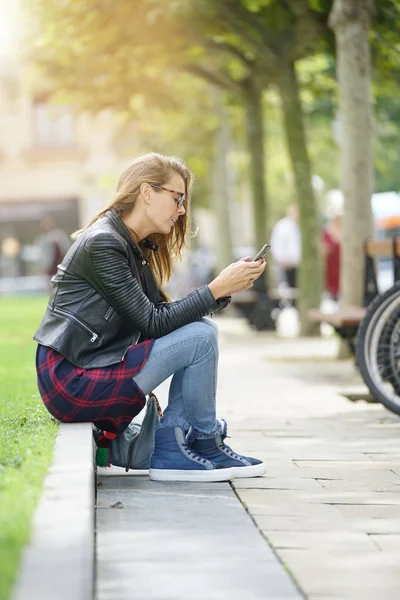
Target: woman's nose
<point x="181" y="210"/>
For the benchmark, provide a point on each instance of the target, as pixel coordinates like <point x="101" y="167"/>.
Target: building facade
<point x="53" y="163"/>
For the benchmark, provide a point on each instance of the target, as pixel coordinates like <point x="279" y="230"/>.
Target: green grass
<point x="27" y="432"/>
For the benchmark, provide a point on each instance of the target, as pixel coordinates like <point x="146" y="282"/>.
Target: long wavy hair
<point x="154" y="169"/>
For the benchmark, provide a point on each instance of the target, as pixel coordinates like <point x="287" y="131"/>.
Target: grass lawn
<point x="27" y="432"/>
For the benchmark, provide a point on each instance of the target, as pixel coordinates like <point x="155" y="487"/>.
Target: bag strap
<point x="159" y="409"/>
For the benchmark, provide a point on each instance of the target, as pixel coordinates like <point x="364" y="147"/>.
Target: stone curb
<point x="59" y="559"/>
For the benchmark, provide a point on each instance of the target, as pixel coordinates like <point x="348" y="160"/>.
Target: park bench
<point x="346" y="320"/>
<point x="258" y="306"/>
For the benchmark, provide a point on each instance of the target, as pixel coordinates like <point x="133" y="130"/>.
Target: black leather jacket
<point x="97" y="306"/>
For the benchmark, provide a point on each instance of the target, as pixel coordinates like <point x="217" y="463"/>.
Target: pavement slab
<point x="196" y="539"/>
<point x="322" y="540"/>
<point x="389" y="542"/>
<point x="293" y="523"/>
<point x="368" y="575"/>
<point x="278" y="483"/>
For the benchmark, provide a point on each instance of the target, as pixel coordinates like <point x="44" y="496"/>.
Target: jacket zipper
<point x="108" y="313"/>
<point x="81" y="323"/>
<point x="133" y="343"/>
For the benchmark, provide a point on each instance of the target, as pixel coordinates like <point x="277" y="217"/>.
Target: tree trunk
<point x="310" y="270"/>
<point x="350" y="20"/>
<point x="221" y="190"/>
<point x="252" y="95"/>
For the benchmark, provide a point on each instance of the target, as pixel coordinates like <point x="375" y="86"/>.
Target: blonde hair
<point x="154" y="169"/>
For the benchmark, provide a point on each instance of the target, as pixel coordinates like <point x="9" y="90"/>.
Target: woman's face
<point x="163" y="210"/>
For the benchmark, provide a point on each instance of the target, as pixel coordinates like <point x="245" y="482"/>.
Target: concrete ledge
<point x="59" y="560"/>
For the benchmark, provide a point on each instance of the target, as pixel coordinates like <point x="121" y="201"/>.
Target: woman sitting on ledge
<point x="110" y="335"/>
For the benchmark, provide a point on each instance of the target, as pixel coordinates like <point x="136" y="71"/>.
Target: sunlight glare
<point x="9" y="27"/>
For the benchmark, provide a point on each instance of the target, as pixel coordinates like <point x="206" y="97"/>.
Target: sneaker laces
<point x="223" y="428"/>
<point x="189" y="438"/>
<point x="228" y="450"/>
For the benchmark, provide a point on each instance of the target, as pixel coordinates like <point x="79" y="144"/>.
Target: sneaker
<point x="173" y="459"/>
<point x="216" y="450"/>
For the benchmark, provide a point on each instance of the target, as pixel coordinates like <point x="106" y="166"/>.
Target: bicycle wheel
<point x="378" y="348"/>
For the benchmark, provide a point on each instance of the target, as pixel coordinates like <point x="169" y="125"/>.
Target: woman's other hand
<point x="237" y="277"/>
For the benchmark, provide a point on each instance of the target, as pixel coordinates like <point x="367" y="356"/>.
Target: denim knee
<point x="205" y="329"/>
<point x="211" y="324"/>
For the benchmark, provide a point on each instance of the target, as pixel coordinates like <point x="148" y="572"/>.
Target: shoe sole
<point x="114" y="470"/>
<point x="249" y="471"/>
<point x="191" y="475"/>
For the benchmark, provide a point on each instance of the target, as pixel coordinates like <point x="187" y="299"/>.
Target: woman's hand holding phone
<point x="237" y="277"/>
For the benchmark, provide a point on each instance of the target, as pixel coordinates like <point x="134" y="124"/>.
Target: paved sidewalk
<point x="329" y="505"/>
<point x="330" y="502"/>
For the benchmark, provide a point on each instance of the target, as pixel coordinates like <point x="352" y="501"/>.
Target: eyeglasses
<point x="181" y="196"/>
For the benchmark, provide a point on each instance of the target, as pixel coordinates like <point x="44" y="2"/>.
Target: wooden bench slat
<point x="383" y="248"/>
<point x="348" y="317"/>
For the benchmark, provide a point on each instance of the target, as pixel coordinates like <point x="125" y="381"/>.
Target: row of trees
<point x="226" y="62"/>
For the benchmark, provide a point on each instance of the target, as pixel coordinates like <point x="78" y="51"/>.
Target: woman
<point x="110" y="336"/>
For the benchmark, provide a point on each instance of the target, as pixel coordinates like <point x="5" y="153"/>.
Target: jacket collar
<point x="117" y="223"/>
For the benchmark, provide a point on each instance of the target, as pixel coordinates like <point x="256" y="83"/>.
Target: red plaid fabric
<point x="107" y="397"/>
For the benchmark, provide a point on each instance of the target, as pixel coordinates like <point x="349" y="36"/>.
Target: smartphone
<point x="261" y="253"/>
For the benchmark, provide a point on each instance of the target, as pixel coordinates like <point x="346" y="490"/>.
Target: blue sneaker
<point x="217" y="451"/>
<point x="173" y="459"/>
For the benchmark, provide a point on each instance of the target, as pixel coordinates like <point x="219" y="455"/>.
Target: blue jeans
<point x="190" y="354"/>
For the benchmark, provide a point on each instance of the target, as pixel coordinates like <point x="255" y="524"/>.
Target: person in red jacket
<point x="331" y="238"/>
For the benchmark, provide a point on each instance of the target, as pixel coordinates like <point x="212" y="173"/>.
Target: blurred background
<point x="245" y="92"/>
<point x="288" y="114"/>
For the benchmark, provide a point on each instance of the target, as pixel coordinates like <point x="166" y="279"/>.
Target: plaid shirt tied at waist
<point x="107" y="397"/>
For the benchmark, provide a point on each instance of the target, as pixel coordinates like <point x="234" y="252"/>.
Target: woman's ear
<point x="145" y="189"/>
